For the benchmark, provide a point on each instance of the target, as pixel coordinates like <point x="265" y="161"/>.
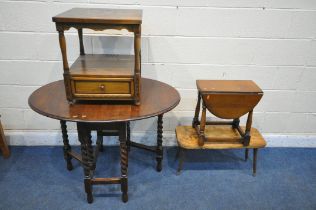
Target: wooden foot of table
<point x="124" y="189"/>
<point x="88" y="189"/>
<point x="67" y="148"/>
<point x="159" y="150"/>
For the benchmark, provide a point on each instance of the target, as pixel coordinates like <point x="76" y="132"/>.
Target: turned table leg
<point x="67" y="147"/>
<point x="195" y="121"/>
<point x="100" y="141"/>
<point x="81" y="41"/>
<point x="137" y="67"/>
<point x="124" y="161"/>
<point x="84" y="135"/>
<point x="128" y="140"/>
<point x="159" y="149"/>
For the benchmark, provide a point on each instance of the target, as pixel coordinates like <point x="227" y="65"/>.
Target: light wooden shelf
<point x="100" y="65"/>
<point x="188" y="138"/>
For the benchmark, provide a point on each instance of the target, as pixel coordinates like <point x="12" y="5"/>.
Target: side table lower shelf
<point x="187" y="139"/>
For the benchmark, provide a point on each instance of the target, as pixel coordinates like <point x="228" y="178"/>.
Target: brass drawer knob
<point x="102" y="87"/>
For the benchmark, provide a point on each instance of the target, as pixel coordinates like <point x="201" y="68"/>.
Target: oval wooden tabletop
<point x="156" y="98"/>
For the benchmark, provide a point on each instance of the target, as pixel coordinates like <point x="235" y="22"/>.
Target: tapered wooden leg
<point x="81" y="41"/>
<point x="128" y="139"/>
<point x="3" y="145"/>
<point x="124" y="162"/>
<point x="247" y="136"/>
<point x="88" y="189"/>
<point x="246" y="154"/>
<point x="202" y="126"/>
<point x="254" y="169"/>
<point x="137" y="53"/>
<point x="195" y="121"/>
<point x="177" y="154"/>
<point x="159" y="149"/>
<point x="67" y="147"/>
<point x="84" y="135"/>
<point x="181" y="159"/>
<point x="100" y="141"/>
<point x="62" y="43"/>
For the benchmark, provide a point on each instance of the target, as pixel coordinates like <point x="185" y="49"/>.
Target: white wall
<point x="272" y="42"/>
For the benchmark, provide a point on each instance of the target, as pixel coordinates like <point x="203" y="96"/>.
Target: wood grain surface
<point x="100" y="15"/>
<point x="188" y="138"/>
<point x="99" y="65"/>
<point x="228" y="86"/>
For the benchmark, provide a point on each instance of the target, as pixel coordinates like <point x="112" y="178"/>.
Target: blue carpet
<point x="36" y="178"/>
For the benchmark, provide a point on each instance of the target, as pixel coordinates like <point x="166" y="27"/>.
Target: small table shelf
<point x="188" y="139"/>
<point x="99" y="65"/>
<point x="101" y="77"/>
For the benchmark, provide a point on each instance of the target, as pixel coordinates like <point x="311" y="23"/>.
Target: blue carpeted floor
<point x="36" y="178"/>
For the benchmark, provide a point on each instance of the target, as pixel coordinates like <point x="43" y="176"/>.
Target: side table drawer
<point x="103" y="88"/>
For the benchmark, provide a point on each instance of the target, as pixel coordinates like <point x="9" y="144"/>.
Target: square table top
<point x="228" y="86"/>
<point x="100" y="15"/>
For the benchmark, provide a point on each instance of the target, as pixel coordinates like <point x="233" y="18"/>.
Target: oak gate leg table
<point x="107" y="119"/>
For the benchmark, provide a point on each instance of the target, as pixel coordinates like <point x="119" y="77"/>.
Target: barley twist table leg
<point x="159" y="149"/>
<point x="67" y="147"/>
<point x="100" y="141"/>
<point x="84" y="135"/>
<point x="128" y="140"/>
<point x="124" y="161"/>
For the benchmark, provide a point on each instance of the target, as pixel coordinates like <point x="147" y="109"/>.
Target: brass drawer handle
<point x="102" y="87"/>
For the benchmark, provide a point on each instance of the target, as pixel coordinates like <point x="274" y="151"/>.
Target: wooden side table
<point x="226" y="99"/>
<point x="156" y="99"/>
<point x="102" y="76"/>
<point x="3" y="145"/>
